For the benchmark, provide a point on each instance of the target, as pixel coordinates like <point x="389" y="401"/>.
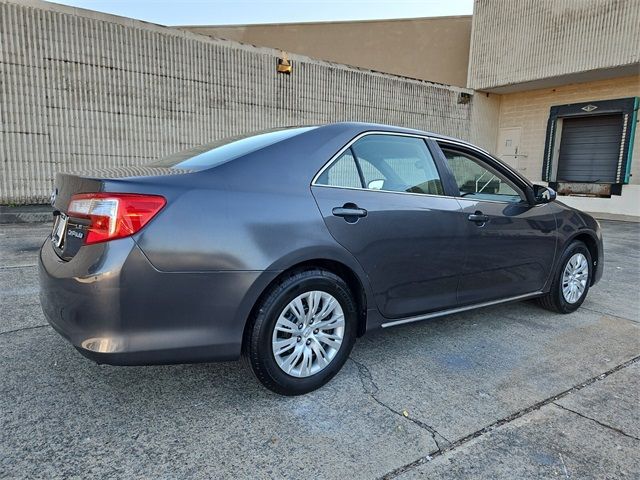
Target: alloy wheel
<point x="575" y="277"/>
<point x="308" y="334"/>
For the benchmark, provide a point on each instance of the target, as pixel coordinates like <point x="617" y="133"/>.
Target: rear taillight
<point x="114" y="215"/>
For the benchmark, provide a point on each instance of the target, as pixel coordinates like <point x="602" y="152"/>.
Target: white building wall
<point x="520" y="41"/>
<point x="82" y="90"/>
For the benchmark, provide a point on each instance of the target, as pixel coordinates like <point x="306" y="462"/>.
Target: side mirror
<point x="544" y="194"/>
<point x="375" y="184"/>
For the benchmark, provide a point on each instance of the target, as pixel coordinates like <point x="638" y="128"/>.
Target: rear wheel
<point x="571" y="283"/>
<point x="302" y="332"/>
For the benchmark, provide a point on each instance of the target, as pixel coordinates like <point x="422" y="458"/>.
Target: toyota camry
<point x="284" y="246"/>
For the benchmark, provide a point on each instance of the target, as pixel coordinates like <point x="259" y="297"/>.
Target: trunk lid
<point x="68" y="184"/>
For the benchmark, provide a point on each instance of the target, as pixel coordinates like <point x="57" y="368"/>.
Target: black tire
<point x="258" y="350"/>
<point x="554" y="300"/>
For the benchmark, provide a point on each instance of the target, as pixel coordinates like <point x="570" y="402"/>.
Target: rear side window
<point x="396" y="163"/>
<point x="221" y="151"/>
<point x="342" y="173"/>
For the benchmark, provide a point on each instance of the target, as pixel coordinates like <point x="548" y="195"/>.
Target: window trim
<point x="358" y="167"/>
<point x="443" y="171"/>
<point x="387" y="191"/>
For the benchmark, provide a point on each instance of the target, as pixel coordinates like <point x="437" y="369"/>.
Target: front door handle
<point x="478" y="218"/>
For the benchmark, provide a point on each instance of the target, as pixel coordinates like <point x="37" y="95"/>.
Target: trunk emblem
<point x="75" y="233"/>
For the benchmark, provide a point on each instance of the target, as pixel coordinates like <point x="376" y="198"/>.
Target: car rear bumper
<point x="116" y="308"/>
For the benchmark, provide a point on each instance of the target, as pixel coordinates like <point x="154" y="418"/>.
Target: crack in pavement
<point x="617" y="430"/>
<point x="371" y="388"/>
<point x="23" y="329"/>
<point x="608" y="314"/>
<point x="503" y="421"/>
<point x="8" y="267"/>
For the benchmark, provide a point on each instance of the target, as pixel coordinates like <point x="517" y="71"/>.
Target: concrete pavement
<point x="511" y="391"/>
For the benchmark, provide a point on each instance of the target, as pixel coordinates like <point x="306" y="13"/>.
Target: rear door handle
<point x="349" y="212"/>
<point x="478" y="218"/>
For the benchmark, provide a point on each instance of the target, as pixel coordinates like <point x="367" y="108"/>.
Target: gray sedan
<point x="284" y="246"/>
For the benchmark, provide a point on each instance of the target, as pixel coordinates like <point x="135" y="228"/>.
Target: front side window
<point x="397" y="164"/>
<point x="478" y="181"/>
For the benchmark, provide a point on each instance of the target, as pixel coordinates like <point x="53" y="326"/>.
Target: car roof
<point x="361" y="127"/>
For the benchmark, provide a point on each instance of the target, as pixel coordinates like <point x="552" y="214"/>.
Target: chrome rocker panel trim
<point x="450" y="311"/>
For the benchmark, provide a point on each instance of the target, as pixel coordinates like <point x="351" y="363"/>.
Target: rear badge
<point x="75" y="233"/>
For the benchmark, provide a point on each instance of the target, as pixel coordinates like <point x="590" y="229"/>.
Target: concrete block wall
<point x="518" y="41"/>
<point x="83" y="90"/>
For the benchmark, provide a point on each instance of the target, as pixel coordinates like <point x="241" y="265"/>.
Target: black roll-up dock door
<point x="590" y="149"/>
<point x="589" y="146"/>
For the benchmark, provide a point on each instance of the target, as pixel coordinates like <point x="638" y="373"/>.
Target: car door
<point x="510" y="243"/>
<point x="383" y="199"/>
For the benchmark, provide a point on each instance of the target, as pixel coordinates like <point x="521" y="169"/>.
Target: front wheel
<point x="571" y="283"/>
<point x="302" y="332"/>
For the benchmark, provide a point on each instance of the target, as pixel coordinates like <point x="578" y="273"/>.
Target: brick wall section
<point x="530" y="111"/>
<point x="82" y="90"/>
<point x="516" y="41"/>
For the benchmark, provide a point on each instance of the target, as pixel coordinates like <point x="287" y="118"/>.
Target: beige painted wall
<point x="434" y="49"/>
<point x="529" y="112"/>
<point x="485" y="116"/>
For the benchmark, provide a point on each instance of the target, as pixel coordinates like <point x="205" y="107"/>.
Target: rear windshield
<point x="221" y="151"/>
